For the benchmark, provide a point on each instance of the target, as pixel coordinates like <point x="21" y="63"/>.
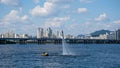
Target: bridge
<point x="56" y="41"/>
<point x="29" y="40"/>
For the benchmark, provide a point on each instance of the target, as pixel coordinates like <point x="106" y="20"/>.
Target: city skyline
<point x="49" y="33"/>
<point x="80" y="16"/>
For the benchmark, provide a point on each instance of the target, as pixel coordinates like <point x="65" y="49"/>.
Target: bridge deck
<point x="57" y="40"/>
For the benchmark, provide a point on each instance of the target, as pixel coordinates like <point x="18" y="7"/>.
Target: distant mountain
<point x="97" y="33"/>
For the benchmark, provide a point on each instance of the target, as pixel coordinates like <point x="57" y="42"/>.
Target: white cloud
<point x="60" y="1"/>
<point x="114" y="25"/>
<point x="10" y="2"/>
<point x="117" y="22"/>
<point x="42" y="11"/>
<point x="36" y="1"/>
<point x="102" y="17"/>
<point x="56" y="22"/>
<point x="24" y="18"/>
<point x="14" y="17"/>
<point x="82" y="10"/>
<point x="50" y="7"/>
<point x="53" y="24"/>
<point x="86" y="1"/>
<point x="84" y="27"/>
<point x="11" y="17"/>
<point x="61" y="18"/>
<point x="17" y="22"/>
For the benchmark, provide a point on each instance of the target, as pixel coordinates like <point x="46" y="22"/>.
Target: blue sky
<point x="73" y="16"/>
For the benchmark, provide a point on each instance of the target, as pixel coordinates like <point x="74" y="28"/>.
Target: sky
<point x="72" y="16"/>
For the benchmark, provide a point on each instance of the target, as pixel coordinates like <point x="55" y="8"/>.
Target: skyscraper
<point x="49" y="30"/>
<point x="57" y="34"/>
<point x="9" y="34"/>
<point x="40" y="33"/>
<point x="118" y="34"/>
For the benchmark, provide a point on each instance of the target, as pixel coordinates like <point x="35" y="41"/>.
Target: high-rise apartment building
<point x="49" y="31"/>
<point x="112" y="35"/>
<point x="9" y="34"/>
<point x="40" y="33"/>
<point x="118" y="34"/>
<point x="57" y="34"/>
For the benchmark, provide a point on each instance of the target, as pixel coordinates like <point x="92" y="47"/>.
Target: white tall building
<point x="17" y="36"/>
<point x="58" y="34"/>
<point x="69" y="36"/>
<point x="25" y="36"/>
<point x="118" y="34"/>
<point x="40" y="33"/>
<point x="1" y="36"/>
<point x="103" y="36"/>
<point x="9" y="34"/>
<point x="49" y="31"/>
<point x="112" y="35"/>
<point x="45" y="34"/>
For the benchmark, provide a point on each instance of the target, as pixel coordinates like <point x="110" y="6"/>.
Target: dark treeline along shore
<point x="56" y="41"/>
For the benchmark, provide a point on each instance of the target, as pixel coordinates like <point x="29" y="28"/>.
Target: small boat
<point x="44" y="54"/>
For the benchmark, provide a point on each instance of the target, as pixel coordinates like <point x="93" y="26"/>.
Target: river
<point x="85" y="56"/>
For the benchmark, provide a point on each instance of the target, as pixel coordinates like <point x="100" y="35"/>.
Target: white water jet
<point x="66" y="50"/>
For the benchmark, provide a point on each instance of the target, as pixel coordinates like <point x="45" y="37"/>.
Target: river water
<point x="85" y="56"/>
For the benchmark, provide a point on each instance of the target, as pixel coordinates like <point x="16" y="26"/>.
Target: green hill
<point x="97" y="33"/>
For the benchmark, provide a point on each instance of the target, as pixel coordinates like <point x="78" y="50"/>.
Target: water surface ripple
<point x="85" y="56"/>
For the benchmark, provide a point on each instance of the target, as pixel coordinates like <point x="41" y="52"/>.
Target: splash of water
<point x="66" y="50"/>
